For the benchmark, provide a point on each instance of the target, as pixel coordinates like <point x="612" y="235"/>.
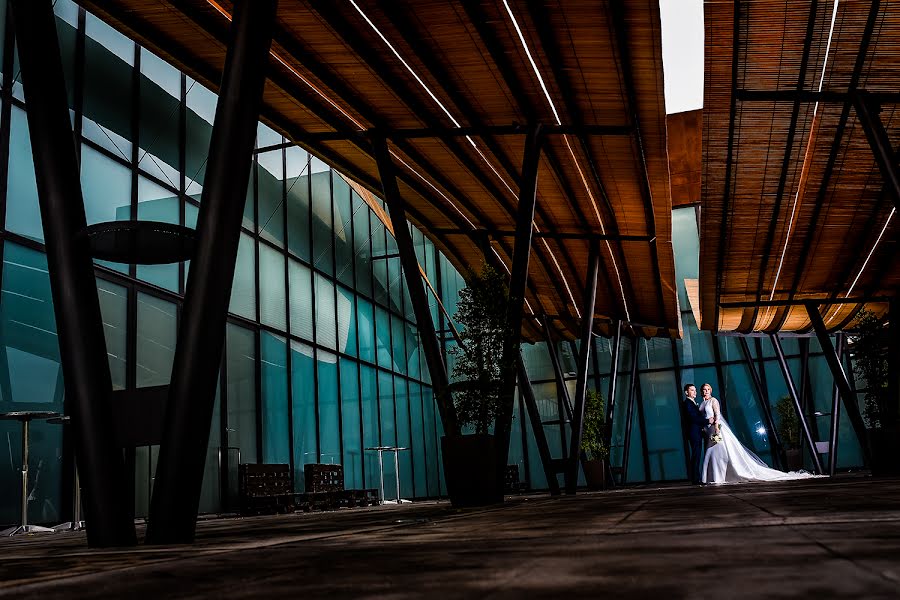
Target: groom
<point x="697" y="422"/>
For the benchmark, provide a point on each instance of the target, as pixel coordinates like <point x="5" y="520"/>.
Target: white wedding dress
<point x="729" y="461"/>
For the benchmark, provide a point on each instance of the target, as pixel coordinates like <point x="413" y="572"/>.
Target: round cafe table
<point x="25" y="417"/>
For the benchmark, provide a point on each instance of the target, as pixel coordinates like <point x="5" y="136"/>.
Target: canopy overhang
<point x="794" y="208"/>
<point x="454" y="87"/>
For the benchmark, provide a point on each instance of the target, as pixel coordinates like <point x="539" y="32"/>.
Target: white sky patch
<point x="682" y="47"/>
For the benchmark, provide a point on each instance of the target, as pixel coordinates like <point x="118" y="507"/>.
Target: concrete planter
<point x="884" y="445"/>
<point x="595" y="474"/>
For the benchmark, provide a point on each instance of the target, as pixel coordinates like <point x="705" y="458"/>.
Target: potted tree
<point x="869" y="344"/>
<point x="470" y="459"/>
<point x="592" y="443"/>
<point x="789" y="429"/>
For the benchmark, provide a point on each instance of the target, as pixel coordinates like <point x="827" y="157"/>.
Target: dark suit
<point x="696" y="424"/>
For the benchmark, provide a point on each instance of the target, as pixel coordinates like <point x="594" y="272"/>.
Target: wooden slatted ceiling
<point x="810" y="234"/>
<point x="333" y="72"/>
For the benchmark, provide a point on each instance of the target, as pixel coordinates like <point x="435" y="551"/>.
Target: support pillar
<point x="763" y="395"/>
<point x="613" y="380"/>
<point x="584" y="353"/>
<point x="835" y="413"/>
<point x="410" y="266"/>
<point x="82" y="345"/>
<point x="537" y="426"/>
<point x="563" y="402"/>
<point x="629" y="416"/>
<point x="518" y="280"/>
<point x="789" y="381"/>
<point x="840" y="379"/>
<point x="201" y="334"/>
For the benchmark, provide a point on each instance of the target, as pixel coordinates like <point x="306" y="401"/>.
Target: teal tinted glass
<point x="156" y="333"/>
<point x="274" y="387"/>
<point x="304" y="410"/>
<point x="23" y="214"/>
<point x="272" y="293"/>
<point x="329" y="418"/>
<point x="114" y="311"/>
<point x="240" y="390"/>
<point x="351" y="424"/>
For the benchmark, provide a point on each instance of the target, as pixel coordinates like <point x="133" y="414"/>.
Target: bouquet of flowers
<point x="716" y="435"/>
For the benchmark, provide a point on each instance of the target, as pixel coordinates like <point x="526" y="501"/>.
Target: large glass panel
<point x="301" y="300"/>
<point x="30" y="371"/>
<point x="156" y="333"/>
<point x="323" y="217"/>
<point x="398" y="344"/>
<point x="665" y="438"/>
<point x="272" y="297"/>
<point x="240" y="365"/>
<point x="106" y="186"/>
<point x="114" y="311"/>
<point x="365" y="323"/>
<point x="243" y="291"/>
<point x="432" y="442"/>
<point x="686" y="244"/>
<point x="304" y="410"/>
<point x="23" y="214"/>
<point x="417" y="441"/>
<point x="744" y="412"/>
<point x="160" y="97"/>
<point x="395" y="277"/>
<point x="404" y="437"/>
<point x="346" y="322"/>
<point x="270" y="191"/>
<point x="156" y="203"/>
<point x="351" y="425"/>
<point x="379" y="263"/>
<point x="695" y="348"/>
<point x="274" y="384"/>
<point x="210" y="491"/>
<point x="200" y="104"/>
<point x="108" y="76"/>
<point x="30" y="379"/>
<point x="362" y="245"/>
<point x="371" y="429"/>
<point x="388" y="430"/>
<point x="383" y="337"/>
<point x="297" y="177"/>
<point x="326" y="323"/>
<point x="343" y="228"/>
<point x="329" y="417"/>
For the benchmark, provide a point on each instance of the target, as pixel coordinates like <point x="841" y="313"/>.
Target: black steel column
<point x="642" y="424"/>
<point x="763" y="395"/>
<point x="835" y="413"/>
<point x="79" y="324"/>
<point x="518" y="280"/>
<point x="807" y="401"/>
<point x="682" y="411"/>
<point x="584" y="353"/>
<point x="537" y="426"/>
<point x="201" y="335"/>
<point x="629" y="416"/>
<point x="840" y="379"/>
<point x="563" y="402"/>
<point x="867" y="113"/>
<point x="804" y="426"/>
<point x="410" y="266"/>
<point x="893" y="361"/>
<point x="613" y="379"/>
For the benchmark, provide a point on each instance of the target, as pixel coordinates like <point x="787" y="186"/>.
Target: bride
<point x="727" y="460"/>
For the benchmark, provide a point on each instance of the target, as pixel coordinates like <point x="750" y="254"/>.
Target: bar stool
<point x="76" y="524"/>
<point x="25" y="417"/>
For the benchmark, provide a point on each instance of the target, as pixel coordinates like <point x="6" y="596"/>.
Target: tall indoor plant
<point x="592" y="442"/>
<point x="869" y="344"/>
<point x="469" y="459"/>
<point x="789" y="432"/>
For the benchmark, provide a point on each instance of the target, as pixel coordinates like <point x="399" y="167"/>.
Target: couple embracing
<point x="726" y="460"/>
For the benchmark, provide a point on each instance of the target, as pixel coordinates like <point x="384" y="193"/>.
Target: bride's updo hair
<point x="709" y="385"/>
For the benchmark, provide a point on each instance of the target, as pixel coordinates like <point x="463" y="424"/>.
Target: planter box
<point x="595" y="474"/>
<point x="470" y="470"/>
<point x="794" y="458"/>
<point x="884" y="445"/>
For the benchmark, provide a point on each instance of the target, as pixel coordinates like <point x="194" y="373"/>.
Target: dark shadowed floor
<point x="815" y="539"/>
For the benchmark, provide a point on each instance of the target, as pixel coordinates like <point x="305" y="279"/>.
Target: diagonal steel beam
<point x="72" y="284"/>
<point x="537" y="426"/>
<point x="584" y="353"/>
<point x="416" y="289"/>
<point x="792" y="391"/>
<point x="201" y="336"/>
<point x="835" y="412"/>
<point x="763" y="395"/>
<point x="629" y="414"/>
<point x="840" y="378"/>
<point x="518" y="279"/>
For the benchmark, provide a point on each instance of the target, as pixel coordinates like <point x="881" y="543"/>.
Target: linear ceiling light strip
<point x="584" y="182"/>
<point x="806" y="159"/>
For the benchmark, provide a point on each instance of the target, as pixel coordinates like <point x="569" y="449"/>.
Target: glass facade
<point x="322" y="357"/>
